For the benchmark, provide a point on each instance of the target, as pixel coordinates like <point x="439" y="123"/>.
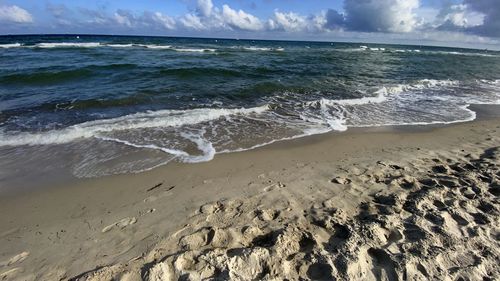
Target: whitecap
<point x="68" y="45"/>
<point x="143" y="120"/>
<point x="13" y="45"/>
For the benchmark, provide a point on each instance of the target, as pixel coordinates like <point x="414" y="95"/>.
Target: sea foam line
<point x="68" y="45"/>
<point x="98" y="44"/>
<point x="13" y="45"/>
<point x="144" y="120"/>
<point x="326" y="121"/>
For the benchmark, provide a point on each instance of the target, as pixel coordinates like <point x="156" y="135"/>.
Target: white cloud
<point x="287" y="22"/>
<point x="145" y="20"/>
<point x="240" y="19"/>
<point x="381" y="15"/>
<point x="460" y="16"/>
<point x="192" y="21"/>
<point x="164" y="20"/>
<point x="457" y="15"/>
<point x="208" y="17"/>
<point x="15" y="14"/>
<point x="123" y="18"/>
<point x="294" y="22"/>
<point x="204" y="8"/>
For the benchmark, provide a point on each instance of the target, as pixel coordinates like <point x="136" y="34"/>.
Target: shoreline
<point x="122" y="219"/>
<point x="481" y="111"/>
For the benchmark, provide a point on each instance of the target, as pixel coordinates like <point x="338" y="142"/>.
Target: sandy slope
<point x="432" y="217"/>
<point x="362" y="206"/>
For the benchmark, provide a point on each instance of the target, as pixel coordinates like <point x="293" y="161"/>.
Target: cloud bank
<point x="14" y="14"/>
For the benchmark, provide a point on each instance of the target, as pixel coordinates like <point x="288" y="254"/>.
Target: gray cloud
<point x="380" y="15"/>
<point x="334" y="20"/>
<point x="374" y="16"/>
<point x="491" y="11"/>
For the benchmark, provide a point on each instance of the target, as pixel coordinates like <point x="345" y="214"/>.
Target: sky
<point x="463" y="23"/>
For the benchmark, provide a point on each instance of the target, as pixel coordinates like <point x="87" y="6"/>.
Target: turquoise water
<point x="99" y="105"/>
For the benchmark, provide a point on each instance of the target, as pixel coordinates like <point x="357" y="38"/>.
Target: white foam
<point x="257" y="48"/>
<point x="192" y="50"/>
<point x="262" y="49"/>
<point x="69" y="45"/>
<point x="97" y="44"/>
<point x="149" y="146"/>
<point x="405" y="51"/>
<point x="325" y="115"/>
<point x="432" y="83"/>
<point x="150" y="119"/>
<point x="157" y="47"/>
<point x="385" y="91"/>
<point x="120" y="45"/>
<point x="7" y="46"/>
<point x="338" y="123"/>
<point x="455" y="53"/>
<point x="462" y="54"/>
<point x="379" y="98"/>
<point x="203" y="145"/>
<point x="472" y="117"/>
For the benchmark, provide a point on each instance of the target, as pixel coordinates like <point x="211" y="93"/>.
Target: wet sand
<point x="395" y="203"/>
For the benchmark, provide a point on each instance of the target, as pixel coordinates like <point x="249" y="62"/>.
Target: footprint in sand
<point x="15" y="259"/>
<point x="120" y="224"/>
<point x="10" y="274"/>
<point x="277" y="185"/>
<point x="341" y="180"/>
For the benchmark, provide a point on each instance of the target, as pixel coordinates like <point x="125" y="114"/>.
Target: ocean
<point x="103" y="105"/>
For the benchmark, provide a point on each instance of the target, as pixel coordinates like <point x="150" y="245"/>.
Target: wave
<point x="68" y="45"/>
<point x="157" y="47"/>
<point x="306" y="118"/>
<point x="452" y="53"/>
<point x="385" y="91"/>
<point x="160" y="47"/>
<point x="45" y="78"/>
<point x="262" y="49"/>
<point x="191" y="50"/>
<point x="111" y="45"/>
<point x="144" y="120"/>
<point x="418" y="51"/>
<point x="120" y="45"/>
<point x="195" y="72"/>
<point x="366" y="48"/>
<point x="56" y="45"/>
<point x="379" y="98"/>
<point x="169" y="47"/>
<point x="42" y="77"/>
<point x="13" y="45"/>
<point x="462" y="54"/>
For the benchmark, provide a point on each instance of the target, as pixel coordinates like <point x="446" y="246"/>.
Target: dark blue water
<point x="102" y="105"/>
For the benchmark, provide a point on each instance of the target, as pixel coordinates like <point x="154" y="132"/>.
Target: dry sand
<point x="386" y="204"/>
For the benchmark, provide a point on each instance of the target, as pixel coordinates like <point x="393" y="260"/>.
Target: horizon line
<point x="251" y="39"/>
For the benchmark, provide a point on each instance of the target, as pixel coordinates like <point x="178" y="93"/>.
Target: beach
<point x="385" y="203"/>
